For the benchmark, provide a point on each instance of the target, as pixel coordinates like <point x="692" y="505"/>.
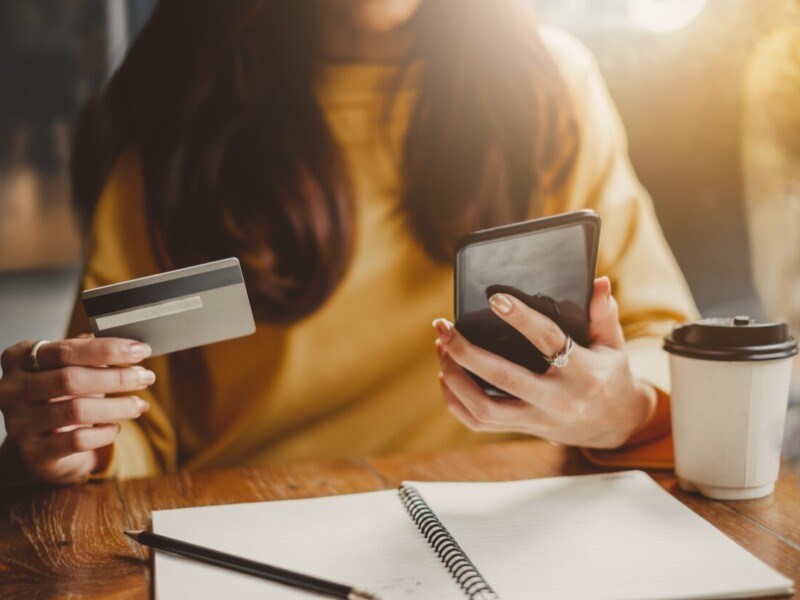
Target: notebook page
<point x="364" y="540"/>
<point x="617" y="536"/>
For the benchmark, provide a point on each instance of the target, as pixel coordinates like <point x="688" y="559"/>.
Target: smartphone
<point x="548" y="263"/>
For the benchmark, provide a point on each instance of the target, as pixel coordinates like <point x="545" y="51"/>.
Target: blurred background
<point x="691" y="79"/>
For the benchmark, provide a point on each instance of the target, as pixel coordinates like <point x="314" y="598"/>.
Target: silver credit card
<point x="175" y="310"/>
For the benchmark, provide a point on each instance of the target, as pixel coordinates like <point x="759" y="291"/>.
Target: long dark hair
<point x="217" y="98"/>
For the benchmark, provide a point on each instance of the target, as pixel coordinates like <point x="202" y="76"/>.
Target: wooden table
<point x="67" y="542"/>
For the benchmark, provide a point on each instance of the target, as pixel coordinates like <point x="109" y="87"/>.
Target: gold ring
<point x="560" y="359"/>
<point x="32" y="360"/>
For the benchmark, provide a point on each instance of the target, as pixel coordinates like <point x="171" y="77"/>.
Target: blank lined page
<point x="365" y="540"/>
<point x="618" y="536"/>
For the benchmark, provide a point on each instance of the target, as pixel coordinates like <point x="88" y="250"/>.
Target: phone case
<point x="567" y="306"/>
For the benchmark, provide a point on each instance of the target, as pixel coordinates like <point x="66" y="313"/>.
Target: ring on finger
<point x="33" y="361"/>
<point x="560" y="359"/>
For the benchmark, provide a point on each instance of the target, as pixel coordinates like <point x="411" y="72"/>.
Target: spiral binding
<point x="445" y="546"/>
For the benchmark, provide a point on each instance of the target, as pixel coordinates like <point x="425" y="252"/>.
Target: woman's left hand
<point x="593" y="401"/>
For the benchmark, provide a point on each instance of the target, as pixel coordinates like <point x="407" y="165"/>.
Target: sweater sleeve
<point x="647" y="283"/>
<point x="119" y="249"/>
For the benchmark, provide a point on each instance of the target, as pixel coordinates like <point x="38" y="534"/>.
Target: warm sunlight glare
<point x="664" y="16"/>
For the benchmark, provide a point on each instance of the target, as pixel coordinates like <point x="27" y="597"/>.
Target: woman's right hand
<point x="58" y="416"/>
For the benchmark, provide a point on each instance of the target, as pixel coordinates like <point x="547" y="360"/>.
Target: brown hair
<point x="237" y="159"/>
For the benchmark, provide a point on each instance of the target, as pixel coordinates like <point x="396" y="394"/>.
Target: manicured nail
<point x="145" y="377"/>
<point x="608" y="289"/>
<point x="142" y="405"/>
<point x="138" y="351"/>
<point x="440" y="349"/>
<point x="445" y="329"/>
<point x="501" y="303"/>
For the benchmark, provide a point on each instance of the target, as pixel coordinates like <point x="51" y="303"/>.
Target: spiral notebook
<point x="617" y="536"/>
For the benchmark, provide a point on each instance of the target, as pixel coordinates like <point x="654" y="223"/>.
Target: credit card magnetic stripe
<point x="159" y="292"/>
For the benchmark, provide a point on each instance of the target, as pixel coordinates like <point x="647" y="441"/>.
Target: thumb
<point x="604" y="327"/>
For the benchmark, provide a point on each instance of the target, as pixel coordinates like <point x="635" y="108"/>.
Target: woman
<point x="339" y="148"/>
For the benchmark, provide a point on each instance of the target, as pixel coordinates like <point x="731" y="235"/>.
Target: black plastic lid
<point x="731" y="339"/>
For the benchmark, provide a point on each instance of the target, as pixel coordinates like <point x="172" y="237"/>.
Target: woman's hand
<point x="594" y="401"/>
<point x="58" y="416"/>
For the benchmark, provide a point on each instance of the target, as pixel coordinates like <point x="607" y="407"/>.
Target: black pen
<point x="250" y="567"/>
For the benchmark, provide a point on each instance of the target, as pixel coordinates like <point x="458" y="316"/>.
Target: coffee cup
<point x="730" y="389"/>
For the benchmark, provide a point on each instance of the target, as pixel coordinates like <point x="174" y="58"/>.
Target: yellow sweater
<point x="359" y="376"/>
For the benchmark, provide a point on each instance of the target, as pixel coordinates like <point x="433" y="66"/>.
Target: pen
<point x="250" y="567"/>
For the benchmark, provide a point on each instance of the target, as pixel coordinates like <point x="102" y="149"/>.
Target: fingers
<point x="57" y="415"/>
<point x="15" y="357"/>
<point x="91" y="352"/>
<point x="82" y="439"/>
<point x="604" y="327"/>
<point x="87" y="352"/>
<point x="594" y="401"/>
<point x="538" y="329"/>
<point x="458" y="410"/>
<point x="49" y="416"/>
<point x="503" y="374"/>
<point x="479" y="412"/>
<point x="82" y="381"/>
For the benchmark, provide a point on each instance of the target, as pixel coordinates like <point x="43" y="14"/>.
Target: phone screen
<point x="550" y="268"/>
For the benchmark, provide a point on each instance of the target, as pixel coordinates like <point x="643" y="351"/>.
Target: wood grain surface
<point x="67" y="542"/>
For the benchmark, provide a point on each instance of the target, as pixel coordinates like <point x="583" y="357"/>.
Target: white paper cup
<point x="730" y="389"/>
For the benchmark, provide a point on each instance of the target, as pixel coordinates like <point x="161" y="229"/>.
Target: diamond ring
<point x="560" y="359"/>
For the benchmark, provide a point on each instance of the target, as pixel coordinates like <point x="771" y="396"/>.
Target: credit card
<point x="175" y="310"/>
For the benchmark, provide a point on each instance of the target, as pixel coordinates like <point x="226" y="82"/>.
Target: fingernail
<point x="145" y="377"/>
<point x="445" y="329"/>
<point x="440" y="349"/>
<point x="608" y="289"/>
<point x="142" y="405"/>
<point x="139" y="350"/>
<point x="501" y="303"/>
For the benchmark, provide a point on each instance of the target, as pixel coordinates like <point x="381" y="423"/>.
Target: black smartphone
<point x="548" y="263"/>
